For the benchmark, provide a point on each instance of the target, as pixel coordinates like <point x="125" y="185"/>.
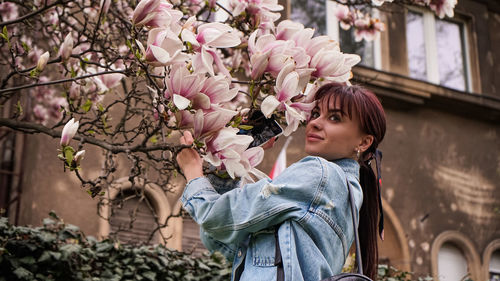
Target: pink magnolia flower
<point x="344" y="16"/>
<point x="111" y="80"/>
<point x="79" y="157"/>
<point x="74" y="91"/>
<point x="206" y="124"/>
<point x="164" y="48"/>
<point x="69" y="131"/>
<point x="286" y="29"/>
<point x="367" y="28"/>
<point x="145" y="11"/>
<point x="183" y="86"/>
<point x="66" y="47"/>
<point x="8" y="11"/>
<point x="157" y="14"/>
<point x="217" y="35"/>
<point x="41" y="114"/>
<point x="286" y="88"/>
<point x="56" y="106"/>
<point x="217" y="89"/>
<point x="443" y="7"/>
<point x="225" y="151"/>
<point x="333" y="65"/>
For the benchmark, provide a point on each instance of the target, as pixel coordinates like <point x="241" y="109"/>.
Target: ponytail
<point x="369" y="219"/>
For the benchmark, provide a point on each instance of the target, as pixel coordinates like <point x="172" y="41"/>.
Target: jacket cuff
<point x="194" y="186"/>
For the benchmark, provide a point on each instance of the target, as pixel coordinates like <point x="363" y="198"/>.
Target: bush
<point x="59" y="251"/>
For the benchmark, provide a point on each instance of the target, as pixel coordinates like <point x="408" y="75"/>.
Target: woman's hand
<point x="188" y="159"/>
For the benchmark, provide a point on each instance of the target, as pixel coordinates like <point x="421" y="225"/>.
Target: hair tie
<point x="378" y="160"/>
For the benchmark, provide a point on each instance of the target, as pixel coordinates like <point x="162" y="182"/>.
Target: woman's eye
<point x="335" y="117"/>
<point x="314" y="114"/>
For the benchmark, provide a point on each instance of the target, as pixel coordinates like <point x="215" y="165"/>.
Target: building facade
<point x="436" y="79"/>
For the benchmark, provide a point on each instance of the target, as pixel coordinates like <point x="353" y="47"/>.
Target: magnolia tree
<point x="124" y="75"/>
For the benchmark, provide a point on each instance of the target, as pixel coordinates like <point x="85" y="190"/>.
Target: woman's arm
<point x="232" y="216"/>
<point x="188" y="159"/>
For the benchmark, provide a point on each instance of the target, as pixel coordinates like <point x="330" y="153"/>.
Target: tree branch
<point x="5" y="23"/>
<point x="32" y="128"/>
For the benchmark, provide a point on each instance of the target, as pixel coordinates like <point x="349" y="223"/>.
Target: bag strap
<point x="278" y="260"/>
<point x="355" y="224"/>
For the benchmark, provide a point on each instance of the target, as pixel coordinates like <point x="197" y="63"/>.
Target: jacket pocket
<point x="263" y="247"/>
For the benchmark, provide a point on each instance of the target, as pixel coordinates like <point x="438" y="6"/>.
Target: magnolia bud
<point x="69" y="131"/>
<point x="66" y="47"/>
<point x="78" y="157"/>
<point x="42" y="61"/>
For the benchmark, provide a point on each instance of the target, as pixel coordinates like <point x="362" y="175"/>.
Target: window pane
<point x="450" y="54"/>
<point x="452" y="265"/>
<point x="416" y="45"/>
<point x="311" y="13"/>
<point x="495" y="266"/>
<point x="133" y="221"/>
<point x="362" y="48"/>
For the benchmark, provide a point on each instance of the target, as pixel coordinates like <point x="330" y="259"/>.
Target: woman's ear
<point x="366" y="142"/>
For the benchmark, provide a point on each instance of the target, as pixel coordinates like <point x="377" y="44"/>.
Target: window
<point x="494" y="267"/>
<point x="133" y="221"/>
<point x="437" y="50"/>
<point x="318" y="14"/>
<point x="452" y="264"/>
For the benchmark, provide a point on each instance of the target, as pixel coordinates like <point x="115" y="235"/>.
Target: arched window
<point x="454" y="258"/>
<point x="148" y="205"/>
<point x="133" y="220"/>
<point x="452" y="264"/>
<point x="494" y="266"/>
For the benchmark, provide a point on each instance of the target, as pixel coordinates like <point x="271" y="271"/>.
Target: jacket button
<point x="239" y="254"/>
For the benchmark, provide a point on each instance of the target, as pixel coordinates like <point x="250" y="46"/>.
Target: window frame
<point x="333" y="30"/>
<point x="431" y="52"/>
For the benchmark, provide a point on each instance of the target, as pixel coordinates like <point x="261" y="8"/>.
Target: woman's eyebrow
<point x="335" y="110"/>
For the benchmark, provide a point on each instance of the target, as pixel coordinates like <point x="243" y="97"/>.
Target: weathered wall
<point x="46" y="187"/>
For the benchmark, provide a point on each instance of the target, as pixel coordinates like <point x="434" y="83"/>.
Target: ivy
<point x="59" y="251"/>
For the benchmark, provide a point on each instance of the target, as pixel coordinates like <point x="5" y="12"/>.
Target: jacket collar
<point x="349" y="166"/>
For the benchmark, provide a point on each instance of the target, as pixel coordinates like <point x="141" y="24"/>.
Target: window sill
<point x="399" y="90"/>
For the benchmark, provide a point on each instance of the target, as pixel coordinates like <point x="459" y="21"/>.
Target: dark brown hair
<point x="357" y="100"/>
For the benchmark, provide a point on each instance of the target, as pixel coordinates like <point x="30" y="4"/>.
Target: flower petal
<point x="268" y="105"/>
<point x="181" y="102"/>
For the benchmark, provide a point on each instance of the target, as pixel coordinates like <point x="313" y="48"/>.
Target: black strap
<point x="355" y="224"/>
<point x="278" y="261"/>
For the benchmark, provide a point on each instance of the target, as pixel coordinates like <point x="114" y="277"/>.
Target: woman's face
<point x="331" y="134"/>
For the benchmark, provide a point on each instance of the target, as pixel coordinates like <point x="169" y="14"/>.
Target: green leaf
<point x="91" y="132"/>
<point x="150" y="275"/>
<point x="245" y="127"/>
<point x="19" y="108"/>
<point x="68" y="154"/>
<point x="87" y="105"/>
<point x="23" y="273"/>
<point x="25" y="47"/>
<point x="5" y="33"/>
<point x="101" y="108"/>
<point x="153" y="139"/>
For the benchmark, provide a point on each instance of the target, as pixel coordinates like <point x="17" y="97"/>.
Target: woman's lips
<point x="313" y="137"/>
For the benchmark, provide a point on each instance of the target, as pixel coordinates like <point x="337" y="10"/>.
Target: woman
<point x="299" y="224"/>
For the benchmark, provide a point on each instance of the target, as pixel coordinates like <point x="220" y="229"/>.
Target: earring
<point x="358" y="153"/>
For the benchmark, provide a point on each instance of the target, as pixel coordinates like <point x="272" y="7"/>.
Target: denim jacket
<point x="308" y="204"/>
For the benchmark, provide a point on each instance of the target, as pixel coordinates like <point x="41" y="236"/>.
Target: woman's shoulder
<point x="337" y="168"/>
<point x="314" y="166"/>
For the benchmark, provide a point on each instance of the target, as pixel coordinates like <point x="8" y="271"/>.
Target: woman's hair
<point x="371" y="116"/>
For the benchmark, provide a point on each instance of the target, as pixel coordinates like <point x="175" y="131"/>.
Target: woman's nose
<point x="316" y="123"/>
